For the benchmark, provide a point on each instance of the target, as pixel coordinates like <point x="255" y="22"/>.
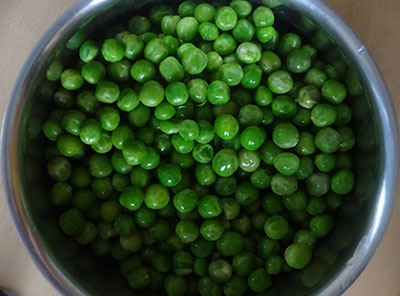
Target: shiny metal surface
<point x="337" y="261"/>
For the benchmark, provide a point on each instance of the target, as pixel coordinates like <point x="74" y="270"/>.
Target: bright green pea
<point x="218" y="92"/>
<point x="142" y="71"/>
<point x="209" y="207"/>
<point x="156" y="50"/>
<point x="280" y="82"/>
<point x="169" y="24"/>
<point x="224" y="44"/>
<point x="265" y="34"/>
<point x="176" y="93"/>
<point x="187" y="28"/>
<point x="284" y="107"/>
<point x="251" y="76"/>
<point x="288" y="43"/>
<point x="133" y="46"/>
<point x="187" y="8"/>
<point x="52" y="129"/>
<point x="226" y="18"/>
<point x="109" y="118"/>
<point x="90" y="132"/>
<point x="194" y="61"/>
<point x="131" y="198"/>
<point x="107" y="92"/>
<point x="263" y="96"/>
<point x="186" y="200"/>
<point x="285" y="135"/>
<point x="204" y="13"/>
<point x="315" y="77"/>
<point x="248" y="53"/>
<point x="71" y="79"/>
<point x="252" y="137"/>
<point x="225" y="162"/>
<point x="215" y="61"/>
<point x="134" y="152"/>
<point x="203" y="153"/>
<point x="212" y="229"/>
<point x="263" y="17"/>
<point x="152" y="94"/>
<point x="171" y="69"/>
<point x="230" y="73"/>
<point x="269" y="62"/>
<point x="276" y="227"/>
<point x="128" y="100"/>
<point x="70" y="146"/>
<point x="112" y="50"/>
<point x="286" y="163"/>
<point x="104" y="145"/>
<point x="93" y="72"/>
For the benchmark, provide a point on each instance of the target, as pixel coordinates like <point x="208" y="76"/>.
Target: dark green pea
<point x="250" y="115"/>
<point x="249" y="161"/>
<point x="157" y="13"/>
<point x="72" y="222"/>
<point x="169" y="175"/>
<point x="215" y="61"/>
<point x="102" y="188"/>
<point x="175" y="285"/>
<point x="161" y="262"/>
<point x="139" y="24"/>
<point x="55" y="69"/>
<point x="172" y="43"/>
<point x="306" y="144"/>
<point x="187" y="8"/>
<point x="321" y="226"/>
<point x="285" y="135"/>
<point x="181" y="145"/>
<point x="208" y="287"/>
<point x="120" y="182"/>
<point x="272" y="204"/>
<point x="59" y="169"/>
<point x="163" y="143"/>
<point x="274" y="264"/>
<point x="185" y="111"/>
<point x="316" y="206"/>
<point x="267" y="247"/>
<point x="182" y="263"/>
<point x="298" y="61"/>
<point x="203" y="153"/>
<point x="71" y="79"/>
<point x="133" y="46"/>
<point x="80" y="177"/>
<point x="208" y="31"/>
<point x="90" y="131"/>
<point x="226" y="126"/>
<point x="87" y="235"/>
<point x="64" y="99"/>
<point x="142" y="71"/>
<point x="328" y="140"/>
<point x="268" y="117"/>
<point x="121" y="135"/>
<point x="202" y="248"/>
<point x="119" y="71"/>
<point x="315" y="77"/>
<point x="187" y="28"/>
<point x="283" y="185"/>
<point x="160" y="231"/>
<point x="205" y="174"/>
<point x="212" y="229"/>
<point x="288" y="43"/>
<point x="323" y="115"/>
<point x="139" y="116"/>
<point x="304" y="236"/>
<point x="230" y="206"/>
<point x="169" y="23"/>
<point x="186" y="200"/>
<point x="52" y="129"/>
<point x="306" y="168"/>
<point x="261" y="178"/>
<point x="269" y="62"/>
<point x="185" y="161"/>
<point x="148" y="36"/>
<point x="265" y="34"/>
<point x="344" y="114"/>
<point x="119" y="164"/>
<point x="224" y="44"/>
<point x="259" y="280"/>
<point x="145" y="217"/>
<point x="220" y="271"/>
<point x="246" y="193"/>
<point x="134" y="152"/>
<point x="200" y="267"/>
<point x="204" y="13"/>
<point x="138" y="278"/>
<point x="107" y="92"/>
<point x="325" y="162"/>
<point x="72" y="122"/>
<point x="284" y="107"/>
<point x="251" y="77"/>
<point x="61" y="193"/>
<point x="347" y="139"/>
<point x="100" y="166"/>
<point x="87" y="102"/>
<point x="244" y="263"/>
<point x="280" y="82"/>
<point x="342" y="182"/>
<point x="187" y="231"/>
<point x="333" y="201"/>
<point x="318" y="184"/>
<point x="276" y="227"/>
<point x="109" y="118"/>
<point x="268" y="152"/>
<point x="258" y="220"/>
<point x="70" y="146"/>
<point x="171" y="69"/>
<point x="302" y="118"/>
<point x="230" y="244"/>
<point x="110" y="210"/>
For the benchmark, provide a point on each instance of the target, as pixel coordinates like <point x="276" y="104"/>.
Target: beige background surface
<point x="23" y="21"/>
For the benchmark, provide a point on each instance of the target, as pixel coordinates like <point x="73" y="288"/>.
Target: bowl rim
<point x="318" y="11"/>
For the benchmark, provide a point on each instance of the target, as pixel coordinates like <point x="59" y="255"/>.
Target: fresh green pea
<point x="244" y="31"/>
<point x="194" y="61"/>
<point x="226" y="18"/>
<point x="71" y="79"/>
<point x="224" y="44"/>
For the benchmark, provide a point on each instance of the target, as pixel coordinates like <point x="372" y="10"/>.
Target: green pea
<point x="342" y="182"/>
<point x="250" y="115"/>
<point x="139" y="116"/>
<point x="248" y="53"/>
<point x="156" y="197"/>
<point x="284" y="107"/>
<point x="325" y="162"/>
<point x="283" y="185"/>
<point x="120" y="181"/>
<point x="90" y="131"/>
<point x="103" y="145"/>
<point x="185" y="161"/>
<point x="243" y="31"/>
<point x="134" y="152"/>
<point x="71" y="79"/>
<point x="194" y="61"/>
<point x="143" y="71"/>
<point x="204" y="13"/>
<point x="327" y="140"/>
<point x="209" y="207"/>
<point x="265" y="34"/>
<point x="64" y="99"/>
<point x="268" y="152"/>
<point x="298" y="255"/>
<point x="156" y="50"/>
<point x="197" y="89"/>
<point x="249" y="161"/>
<point x="139" y="24"/>
<point x="55" y="69"/>
<point x="286" y="163"/>
<point x="120" y="136"/>
<point x="109" y="118"/>
<point x="144" y="217"/>
<point x="204" y="174"/>
<point x="225" y="162"/>
<point x="119" y="71"/>
<point x="133" y="46"/>
<point x="218" y="93"/>
<point x="138" y="278"/>
<point x="70" y="146"/>
<point x="318" y="184"/>
<point x="288" y="43"/>
<point x="315" y="77"/>
<point x="112" y="50"/>
<point x="306" y="144"/>
<point x="52" y="129"/>
<point x="171" y="69"/>
<point x="209" y="287"/>
<point x="224" y="44"/>
<point x="175" y="285"/>
<point x="344" y="114"/>
<point x="93" y="72"/>
<point x="298" y="61"/>
<point x="202" y="248"/>
<point x="252" y="137"/>
<point x="263" y="96"/>
<point x="176" y="93"/>
<point x="186" y="200"/>
<point x="187" y="8"/>
<point x="230" y="73"/>
<point x="107" y="92"/>
<point x="333" y="91"/>
<point x="157" y="13"/>
<point x="87" y="102"/>
<point x="187" y="231"/>
<point x="215" y="61"/>
<point x="280" y="82"/>
<point x="269" y="62"/>
<point x="263" y="17"/>
<point x="72" y="222"/>
<point x="259" y="280"/>
<point x="169" y="24"/>
<point x="187" y="28"/>
<point x="212" y="229"/>
<point x="285" y="135"/>
<point x="220" y="271"/>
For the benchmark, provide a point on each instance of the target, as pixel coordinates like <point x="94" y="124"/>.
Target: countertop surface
<point x="23" y="21"/>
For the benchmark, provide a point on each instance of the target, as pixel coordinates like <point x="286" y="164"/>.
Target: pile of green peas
<point x="203" y="150"/>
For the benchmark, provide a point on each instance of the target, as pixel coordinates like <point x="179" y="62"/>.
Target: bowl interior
<point x="339" y="257"/>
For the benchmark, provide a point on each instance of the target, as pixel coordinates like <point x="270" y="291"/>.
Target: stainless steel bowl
<point x="338" y="260"/>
